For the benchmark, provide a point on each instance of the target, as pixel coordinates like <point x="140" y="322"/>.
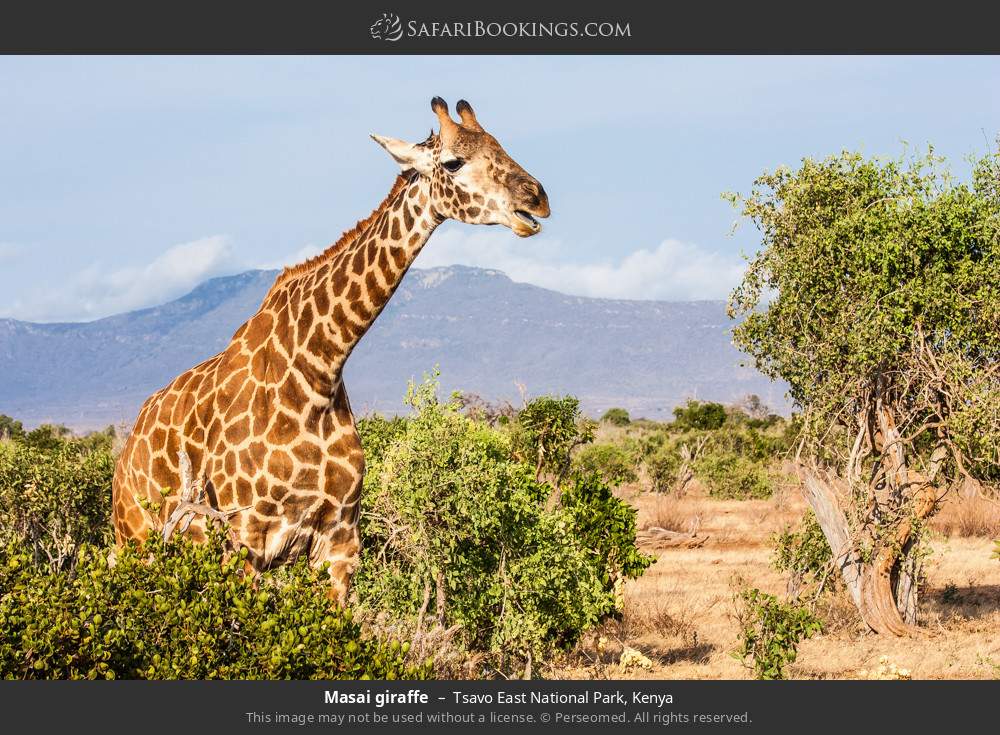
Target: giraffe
<point x="266" y="424"/>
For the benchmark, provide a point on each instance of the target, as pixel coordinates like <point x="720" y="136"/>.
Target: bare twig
<point x="190" y="503"/>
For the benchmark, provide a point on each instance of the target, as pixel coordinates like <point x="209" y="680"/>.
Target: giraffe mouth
<point x="528" y="220"/>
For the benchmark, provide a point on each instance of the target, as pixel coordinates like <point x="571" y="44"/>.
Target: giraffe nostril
<point x="529" y="195"/>
<point x="538" y="198"/>
<point x="532" y="189"/>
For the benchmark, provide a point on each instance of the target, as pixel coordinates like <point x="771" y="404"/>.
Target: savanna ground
<point x="680" y="615"/>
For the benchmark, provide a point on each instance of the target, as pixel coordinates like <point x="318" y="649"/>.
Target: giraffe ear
<point x="407" y="155"/>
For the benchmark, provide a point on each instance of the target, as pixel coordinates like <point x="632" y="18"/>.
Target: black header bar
<point x="510" y="27"/>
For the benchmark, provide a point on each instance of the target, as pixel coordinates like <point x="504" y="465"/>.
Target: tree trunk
<point x="879" y="608"/>
<point x="884" y="589"/>
<point x="825" y="504"/>
<point x="906" y="586"/>
<point x="890" y="587"/>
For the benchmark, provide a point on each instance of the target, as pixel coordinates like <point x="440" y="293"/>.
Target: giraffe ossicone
<point x="266" y="424"/>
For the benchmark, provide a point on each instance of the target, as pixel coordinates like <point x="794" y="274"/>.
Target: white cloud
<point x="674" y="270"/>
<point x="95" y="291"/>
<point x="300" y="255"/>
<point x="9" y="251"/>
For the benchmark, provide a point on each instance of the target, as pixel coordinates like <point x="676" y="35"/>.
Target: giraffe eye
<point x="453" y="165"/>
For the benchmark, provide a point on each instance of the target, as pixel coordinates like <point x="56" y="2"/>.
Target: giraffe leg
<point x="343" y="559"/>
<point x="339" y="547"/>
<point x="337" y="594"/>
<point x="338" y="543"/>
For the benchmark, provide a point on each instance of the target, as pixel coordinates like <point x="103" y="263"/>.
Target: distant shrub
<point x="770" y="632"/>
<point x="54" y="501"/>
<point x="647" y="424"/>
<point x="10" y="428"/>
<point x="494" y="413"/>
<point x="734" y="462"/>
<point x="547" y="430"/>
<point x="97" y="441"/>
<point x="753" y="407"/>
<point x="180" y="611"/>
<point x="617" y="416"/>
<point x="748" y="442"/>
<point x="48" y="437"/>
<point x="699" y="415"/>
<point x="767" y="422"/>
<point x="52" y="437"/>
<point x="649" y="441"/>
<point x="730" y="476"/>
<point x="663" y="466"/>
<point x="610" y="462"/>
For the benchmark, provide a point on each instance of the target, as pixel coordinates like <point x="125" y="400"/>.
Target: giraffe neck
<point x="335" y="300"/>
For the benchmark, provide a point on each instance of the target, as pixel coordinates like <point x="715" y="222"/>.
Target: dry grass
<point x="671" y="513"/>
<point x="968" y="517"/>
<point x="608" y="433"/>
<point x="679" y="614"/>
<point x="432" y="641"/>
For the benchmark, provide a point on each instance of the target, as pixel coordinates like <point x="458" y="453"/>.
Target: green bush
<point x="699" y="415"/>
<point x="54" y="501"/>
<point x="453" y="524"/>
<point x="10" y="428"/>
<point x="770" y="632"/>
<point x="662" y="466"/>
<point x="617" y="416"/>
<point x="53" y="437"/>
<point x="606" y="528"/>
<point x="610" y="462"/>
<point x="734" y="460"/>
<point x="804" y="552"/>
<point x="730" y="476"/>
<point x="547" y="430"/>
<point x="180" y="611"/>
<point x="379" y="433"/>
<point x="97" y="441"/>
<point x="748" y="442"/>
<point x="48" y="437"/>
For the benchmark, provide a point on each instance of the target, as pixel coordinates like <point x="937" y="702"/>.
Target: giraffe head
<point x="472" y="178"/>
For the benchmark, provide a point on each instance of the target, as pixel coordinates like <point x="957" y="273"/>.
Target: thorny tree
<point x="876" y="296"/>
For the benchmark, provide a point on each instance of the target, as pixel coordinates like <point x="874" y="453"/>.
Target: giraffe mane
<point x="349" y="236"/>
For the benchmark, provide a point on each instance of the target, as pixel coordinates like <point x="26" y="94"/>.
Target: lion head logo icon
<point x="387" y="28"/>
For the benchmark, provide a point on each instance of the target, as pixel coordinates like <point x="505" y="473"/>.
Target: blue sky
<point x="126" y="181"/>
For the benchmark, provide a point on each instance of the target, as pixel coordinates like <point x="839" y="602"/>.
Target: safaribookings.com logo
<point x="390" y="28"/>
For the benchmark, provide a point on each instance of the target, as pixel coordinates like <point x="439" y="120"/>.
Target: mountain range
<point x="488" y="335"/>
